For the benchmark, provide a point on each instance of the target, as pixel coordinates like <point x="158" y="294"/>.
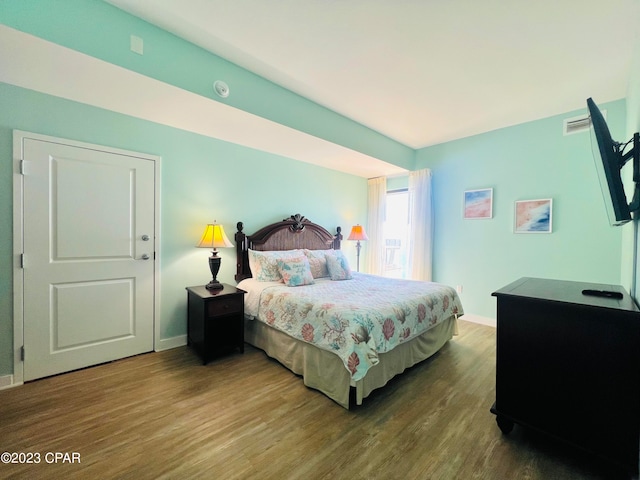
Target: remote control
<point x="602" y="293"/>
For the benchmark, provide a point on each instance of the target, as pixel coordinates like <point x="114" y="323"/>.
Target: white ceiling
<point x="420" y="71"/>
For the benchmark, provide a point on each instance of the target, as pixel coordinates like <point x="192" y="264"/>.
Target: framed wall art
<point x="533" y="216"/>
<point x="478" y="204"/>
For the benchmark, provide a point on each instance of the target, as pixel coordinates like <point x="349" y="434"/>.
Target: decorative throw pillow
<point x="318" y="262"/>
<point x="264" y="265"/>
<point x="295" y="271"/>
<point x="318" y="267"/>
<point x="318" y="253"/>
<point x="338" y="266"/>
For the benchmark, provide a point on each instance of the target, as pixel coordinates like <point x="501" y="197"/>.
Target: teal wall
<point x="103" y="31"/>
<point x="203" y="179"/>
<point x="528" y="161"/>
<point x="631" y="229"/>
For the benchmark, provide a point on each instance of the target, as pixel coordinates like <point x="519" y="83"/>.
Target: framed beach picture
<point x="533" y="216"/>
<point x="478" y="203"/>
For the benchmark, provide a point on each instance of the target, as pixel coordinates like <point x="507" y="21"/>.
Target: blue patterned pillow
<point x="295" y="271"/>
<point x="338" y="266"/>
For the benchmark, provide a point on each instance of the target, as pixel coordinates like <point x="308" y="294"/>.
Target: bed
<point x="344" y="332"/>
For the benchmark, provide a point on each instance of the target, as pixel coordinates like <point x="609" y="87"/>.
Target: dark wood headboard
<point x="289" y="234"/>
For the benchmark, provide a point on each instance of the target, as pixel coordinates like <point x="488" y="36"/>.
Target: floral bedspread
<point x="360" y="318"/>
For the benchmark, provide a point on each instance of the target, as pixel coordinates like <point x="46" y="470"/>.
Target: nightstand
<point x="215" y="323"/>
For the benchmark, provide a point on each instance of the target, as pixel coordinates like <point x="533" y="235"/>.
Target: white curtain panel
<point x="377" y="205"/>
<point x="421" y="243"/>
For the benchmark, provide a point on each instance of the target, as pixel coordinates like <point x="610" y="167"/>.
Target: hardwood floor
<point x="165" y="416"/>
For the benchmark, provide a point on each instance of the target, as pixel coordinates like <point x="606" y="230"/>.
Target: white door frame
<point x="18" y="239"/>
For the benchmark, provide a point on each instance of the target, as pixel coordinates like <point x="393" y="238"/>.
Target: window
<point x="396" y="234"/>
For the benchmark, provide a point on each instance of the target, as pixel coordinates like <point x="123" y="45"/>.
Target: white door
<point x="88" y="242"/>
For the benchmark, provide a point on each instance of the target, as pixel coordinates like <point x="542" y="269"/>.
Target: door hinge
<point x="21" y="167"/>
<point x="22" y="353"/>
<point x="22" y="260"/>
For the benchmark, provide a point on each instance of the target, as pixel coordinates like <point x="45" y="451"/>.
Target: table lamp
<point x="214" y="237"/>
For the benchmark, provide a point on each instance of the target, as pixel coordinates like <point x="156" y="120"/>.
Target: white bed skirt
<point x="324" y="371"/>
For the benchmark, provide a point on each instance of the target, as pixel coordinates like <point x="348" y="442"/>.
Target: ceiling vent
<point x="578" y="124"/>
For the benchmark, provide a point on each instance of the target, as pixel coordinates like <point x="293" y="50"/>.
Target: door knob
<point x="145" y="256"/>
<point x="145" y="238"/>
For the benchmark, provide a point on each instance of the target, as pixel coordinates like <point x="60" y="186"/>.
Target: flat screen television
<point x="612" y="158"/>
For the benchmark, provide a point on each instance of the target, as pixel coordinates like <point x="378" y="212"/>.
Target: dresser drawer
<point x="224" y="306"/>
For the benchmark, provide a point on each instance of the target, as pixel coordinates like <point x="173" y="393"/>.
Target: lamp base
<point x="214" y="266"/>
<point x="214" y="285"/>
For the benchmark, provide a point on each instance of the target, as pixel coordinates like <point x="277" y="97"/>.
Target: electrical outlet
<point x="459" y="288"/>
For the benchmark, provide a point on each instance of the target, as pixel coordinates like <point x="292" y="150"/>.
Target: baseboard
<point x="491" y="322"/>
<point x="173" y="342"/>
<point x="6" y="381"/>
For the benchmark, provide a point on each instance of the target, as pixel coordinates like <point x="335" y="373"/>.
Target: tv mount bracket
<point x="633" y="154"/>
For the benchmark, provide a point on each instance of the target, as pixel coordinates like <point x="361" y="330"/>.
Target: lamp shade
<point x="214" y="237"/>
<point x="358" y="233"/>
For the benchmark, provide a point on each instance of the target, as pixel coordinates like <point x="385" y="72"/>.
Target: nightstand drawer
<point x="225" y="306"/>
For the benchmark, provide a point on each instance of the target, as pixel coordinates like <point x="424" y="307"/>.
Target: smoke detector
<point x="221" y="88"/>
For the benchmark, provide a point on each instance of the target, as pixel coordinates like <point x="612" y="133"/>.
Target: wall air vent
<point x="578" y="124"/>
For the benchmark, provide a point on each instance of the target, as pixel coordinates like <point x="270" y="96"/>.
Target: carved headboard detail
<point x="289" y="234"/>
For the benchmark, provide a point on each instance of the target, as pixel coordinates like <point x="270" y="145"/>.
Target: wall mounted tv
<point x="613" y="156"/>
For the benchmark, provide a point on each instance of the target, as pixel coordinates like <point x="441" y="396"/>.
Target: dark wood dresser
<point x="568" y="365"/>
